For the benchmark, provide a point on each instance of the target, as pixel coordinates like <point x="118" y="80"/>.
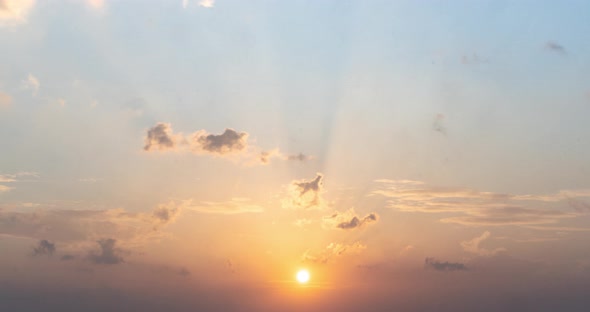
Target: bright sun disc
<point x="303" y="276"/>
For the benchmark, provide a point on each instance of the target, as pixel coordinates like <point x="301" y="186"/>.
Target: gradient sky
<point x="162" y="155"/>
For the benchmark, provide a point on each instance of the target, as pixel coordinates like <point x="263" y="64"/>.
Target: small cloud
<point x="302" y="222"/>
<point x="472" y="59"/>
<point x="555" y="47"/>
<point x="472" y="246"/>
<point x="349" y="220"/>
<point x="61" y="102"/>
<point x="93" y="103"/>
<point x="96" y="4"/>
<point x="44" y="248"/>
<point x="167" y="213"/>
<point x="207" y="3"/>
<point x="15" y="12"/>
<point x="431" y="263"/>
<point x="184" y="272"/>
<point x="305" y="194"/>
<point x="4" y="188"/>
<point x="108" y="253"/>
<point x="89" y="180"/>
<point x="160" y="137"/>
<point x="230" y="141"/>
<point x="5" y="100"/>
<point x="67" y="257"/>
<point x="184" y="3"/>
<point x="31" y="83"/>
<point x="331" y="251"/>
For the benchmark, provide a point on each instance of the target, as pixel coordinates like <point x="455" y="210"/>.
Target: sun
<point x="302" y="276"/>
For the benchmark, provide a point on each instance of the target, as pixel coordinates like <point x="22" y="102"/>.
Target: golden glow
<point x="303" y="276"/>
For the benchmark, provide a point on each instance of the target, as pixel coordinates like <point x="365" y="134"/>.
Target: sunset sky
<point x="170" y="155"/>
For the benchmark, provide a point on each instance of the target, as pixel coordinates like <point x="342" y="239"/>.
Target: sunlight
<point x="302" y="276"/>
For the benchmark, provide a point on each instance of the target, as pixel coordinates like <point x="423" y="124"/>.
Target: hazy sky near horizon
<point x="194" y="155"/>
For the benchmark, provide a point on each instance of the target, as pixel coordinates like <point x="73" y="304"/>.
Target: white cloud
<point x="207" y="3"/>
<point x="14" y="12"/>
<point x="31" y="83"/>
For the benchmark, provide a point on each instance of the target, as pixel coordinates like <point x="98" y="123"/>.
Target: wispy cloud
<point x="477" y="208"/>
<point x="14" y="12"/>
<point x="31" y="83"/>
<point x="331" y="251"/>
<point x="233" y="206"/>
<point x="473" y="246"/>
<point x="349" y="220"/>
<point x="555" y="47"/>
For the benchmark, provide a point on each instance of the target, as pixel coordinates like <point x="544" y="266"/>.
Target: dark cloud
<point x="67" y="257"/>
<point x="305" y="194"/>
<point x="108" y="253"/>
<point x="555" y="47"/>
<point x="160" y="137"/>
<point x="230" y="141"/>
<point x="44" y="248"/>
<point x="166" y="213"/>
<point x="431" y="263"/>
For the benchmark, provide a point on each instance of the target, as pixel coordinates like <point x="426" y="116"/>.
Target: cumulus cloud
<point x="305" y="194"/>
<point x="555" y="47"/>
<point x="31" y="83"/>
<point x="230" y="144"/>
<point x="477" y="208"/>
<point x="167" y="213"/>
<point x="5" y="100"/>
<point x="14" y="12"/>
<point x="207" y="3"/>
<point x="44" y="248"/>
<point x="331" y="251"/>
<point x="230" y="141"/>
<point x="431" y="263"/>
<point x="233" y="206"/>
<point x="472" y="246"/>
<point x="160" y="137"/>
<point x="108" y="254"/>
<point x="349" y="220"/>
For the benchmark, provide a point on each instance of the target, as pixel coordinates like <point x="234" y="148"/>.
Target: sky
<point x="195" y="155"/>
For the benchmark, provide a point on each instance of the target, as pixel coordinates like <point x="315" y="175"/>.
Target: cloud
<point x="67" y="257"/>
<point x="31" y="83"/>
<point x="5" y="100"/>
<point x="331" y="251"/>
<point x="349" y="220"/>
<point x="14" y="12"/>
<point x="44" y="248"/>
<point x="472" y="246"/>
<point x="160" y="137"/>
<point x="4" y="188"/>
<point x="108" y="253"/>
<point x="579" y="205"/>
<point x="431" y="263"/>
<point x="167" y="213"/>
<point x="305" y="194"/>
<point x="302" y="222"/>
<point x="230" y="144"/>
<point x="233" y="206"/>
<point x="477" y="208"/>
<point x="207" y="3"/>
<point x="14" y="177"/>
<point x="184" y="3"/>
<point x="555" y="47"/>
<point x="96" y="4"/>
<point x="230" y="141"/>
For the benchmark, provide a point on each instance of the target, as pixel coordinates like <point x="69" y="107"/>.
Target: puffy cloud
<point x="44" y="248"/>
<point x="555" y="47"/>
<point x="472" y="246"/>
<point x="5" y="100"/>
<point x="349" y="220"/>
<point x="166" y="213"/>
<point x="331" y="251"/>
<point x="478" y="208"/>
<point x="160" y="137"/>
<point x="431" y="263"/>
<point x="305" y="194"/>
<point x="207" y="3"/>
<point x="231" y="144"/>
<point x="14" y="12"/>
<point x="233" y="206"/>
<point x="230" y="141"/>
<point x="108" y="254"/>
<point x="31" y="83"/>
